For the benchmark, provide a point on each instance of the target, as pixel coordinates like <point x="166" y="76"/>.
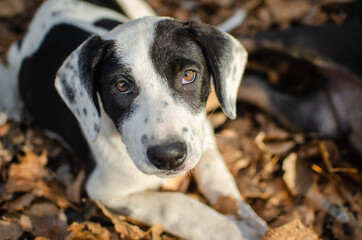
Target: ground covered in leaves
<point x="303" y="185"/>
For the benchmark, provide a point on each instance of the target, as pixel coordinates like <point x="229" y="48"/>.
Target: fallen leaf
<point x="74" y="191"/>
<point x="279" y="147"/>
<point x="286" y="11"/>
<point x="27" y="174"/>
<point x="289" y="176"/>
<point x="4" y="129"/>
<point x="10" y="8"/>
<point x="10" y="230"/>
<point x="298" y="175"/>
<point x="45" y="220"/>
<point x="294" y="230"/>
<point x="19" y="203"/>
<point x="155" y="232"/>
<point x="88" y="230"/>
<point x="332" y="205"/>
<point x="217" y="119"/>
<point x="125" y="229"/>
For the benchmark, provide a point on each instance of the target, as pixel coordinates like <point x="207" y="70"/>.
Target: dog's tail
<point x="10" y="102"/>
<point x="136" y="8"/>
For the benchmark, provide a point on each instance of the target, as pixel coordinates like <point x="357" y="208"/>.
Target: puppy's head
<point x="152" y="77"/>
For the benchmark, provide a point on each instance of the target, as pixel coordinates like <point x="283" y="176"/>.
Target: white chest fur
<point x="115" y="173"/>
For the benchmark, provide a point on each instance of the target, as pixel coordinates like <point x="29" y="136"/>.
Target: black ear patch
<point x="226" y="60"/>
<point x="77" y="83"/>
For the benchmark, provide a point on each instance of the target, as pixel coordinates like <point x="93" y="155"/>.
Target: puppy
<point x="131" y="96"/>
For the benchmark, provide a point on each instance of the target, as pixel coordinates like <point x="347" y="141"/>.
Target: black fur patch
<point x="217" y="50"/>
<point x="173" y="52"/>
<point x="36" y="86"/>
<point x="118" y="106"/>
<point x="108" y="24"/>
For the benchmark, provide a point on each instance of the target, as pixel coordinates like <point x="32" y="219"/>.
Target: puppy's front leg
<point x="180" y="215"/>
<point x="214" y="181"/>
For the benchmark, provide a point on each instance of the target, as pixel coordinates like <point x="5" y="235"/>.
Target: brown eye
<point x="188" y="77"/>
<point x="122" y="87"/>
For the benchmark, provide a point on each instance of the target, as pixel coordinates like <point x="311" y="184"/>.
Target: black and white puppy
<point x="133" y="100"/>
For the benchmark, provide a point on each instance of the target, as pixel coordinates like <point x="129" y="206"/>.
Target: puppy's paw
<point x="251" y="225"/>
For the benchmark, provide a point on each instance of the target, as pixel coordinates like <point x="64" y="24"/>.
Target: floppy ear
<point x="226" y="59"/>
<point x="76" y="83"/>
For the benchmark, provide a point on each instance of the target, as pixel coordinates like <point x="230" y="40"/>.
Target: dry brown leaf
<point x="155" y="232"/>
<point x="294" y="230"/>
<point x="26" y="175"/>
<point x="279" y="147"/>
<point x="290" y="176"/>
<point x="227" y="205"/>
<point x="88" y="230"/>
<point x="74" y="191"/>
<point x="125" y="229"/>
<point x="10" y="230"/>
<point x="285" y="11"/>
<point x="42" y="209"/>
<point x="4" y="129"/>
<point x="332" y="204"/>
<point x="29" y="175"/>
<point x="239" y="165"/>
<point x="298" y="175"/>
<point x="278" y="200"/>
<point x="11" y="8"/>
<point x="44" y="220"/>
<point x="217" y="119"/>
<point x="19" y="203"/>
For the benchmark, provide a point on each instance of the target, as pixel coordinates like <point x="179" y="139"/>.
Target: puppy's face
<point x="154" y="85"/>
<point x="153" y="79"/>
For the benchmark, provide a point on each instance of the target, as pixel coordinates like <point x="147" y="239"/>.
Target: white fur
<point x="10" y="104"/>
<point x="137" y="9"/>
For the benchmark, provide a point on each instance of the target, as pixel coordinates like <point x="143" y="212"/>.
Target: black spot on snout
<point x="85" y="111"/>
<point x="144" y="140"/>
<point x="159" y="120"/>
<point x="165" y="104"/>
<point x="185" y="129"/>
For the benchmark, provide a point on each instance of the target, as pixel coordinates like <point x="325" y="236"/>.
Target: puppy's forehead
<point x="134" y="38"/>
<point x="133" y="42"/>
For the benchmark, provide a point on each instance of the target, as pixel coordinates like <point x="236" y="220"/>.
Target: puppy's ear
<point x="226" y="59"/>
<point x="76" y="82"/>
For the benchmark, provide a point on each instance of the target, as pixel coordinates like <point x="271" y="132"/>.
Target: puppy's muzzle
<point x="168" y="155"/>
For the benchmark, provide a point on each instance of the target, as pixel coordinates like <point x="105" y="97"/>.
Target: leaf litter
<point x="305" y="186"/>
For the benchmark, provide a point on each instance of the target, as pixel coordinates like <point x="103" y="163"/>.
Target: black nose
<point x="167" y="156"/>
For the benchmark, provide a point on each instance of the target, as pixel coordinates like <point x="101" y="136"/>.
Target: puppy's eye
<point x="122" y="87"/>
<point x="188" y="77"/>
